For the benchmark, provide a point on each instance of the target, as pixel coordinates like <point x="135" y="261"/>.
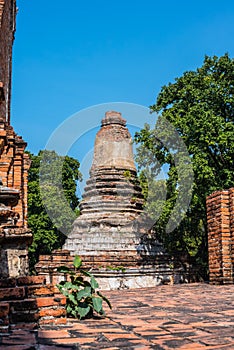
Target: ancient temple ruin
<point x="14" y="163"/>
<point x="112" y="200"/>
<point x="112" y="234"/>
<point x="112" y="230"/>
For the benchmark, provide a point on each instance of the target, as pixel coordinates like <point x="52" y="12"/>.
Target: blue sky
<point x="72" y="55"/>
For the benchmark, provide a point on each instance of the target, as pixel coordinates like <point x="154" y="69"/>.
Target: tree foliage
<point x="200" y="106"/>
<point x="44" y="187"/>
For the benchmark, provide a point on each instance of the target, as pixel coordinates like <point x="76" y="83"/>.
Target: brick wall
<point x="14" y="164"/>
<point x="220" y="219"/>
<point x="28" y="302"/>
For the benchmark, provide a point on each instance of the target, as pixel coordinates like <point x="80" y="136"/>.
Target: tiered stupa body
<point x="112" y="202"/>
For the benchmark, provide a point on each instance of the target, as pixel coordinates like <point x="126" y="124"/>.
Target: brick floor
<point x="192" y="316"/>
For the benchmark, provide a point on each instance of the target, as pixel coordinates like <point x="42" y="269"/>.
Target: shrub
<point x="82" y="297"/>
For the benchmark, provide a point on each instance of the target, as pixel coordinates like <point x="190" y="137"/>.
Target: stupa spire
<point x="113" y="144"/>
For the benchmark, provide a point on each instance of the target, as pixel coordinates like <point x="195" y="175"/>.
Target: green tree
<point x="200" y="106"/>
<point x="51" y="178"/>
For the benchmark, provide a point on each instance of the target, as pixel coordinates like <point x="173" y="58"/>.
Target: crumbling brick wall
<point x="14" y="163"/>
<point x="220" y="219"/>
<point x="29" y="302"/>
<point x="14" y="166"/>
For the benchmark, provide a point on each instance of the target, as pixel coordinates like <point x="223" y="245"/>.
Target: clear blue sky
<point x="75" y="54"/>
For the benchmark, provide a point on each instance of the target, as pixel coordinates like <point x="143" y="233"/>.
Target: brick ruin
<point x="14" y="163"/>
<point x="112" y="199"/>
<point x="220" y="219"/>
<point x="25" y="301"/>
<point x="28" y="302"/>
<point x="112" y="230"/>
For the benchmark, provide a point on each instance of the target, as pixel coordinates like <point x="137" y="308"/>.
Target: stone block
<point x="12" y="293"/>
<point x="24" y="316"/>
<point x="30" y="280"/>
<point x="53" y="321"/>
<point x="23" y="305"/>
<point x="8" y="282"/>
<point x="55" y="312"/>
<point x="4" y="310"/>
<point x="50" y="301"/>
<point x="34" y="291"/>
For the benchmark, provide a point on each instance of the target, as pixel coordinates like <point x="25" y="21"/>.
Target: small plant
<point x="127" y="174"/>
<point x="82" y="298"/>
<point x="171" y="265"/>
<point x="116" y="268"/>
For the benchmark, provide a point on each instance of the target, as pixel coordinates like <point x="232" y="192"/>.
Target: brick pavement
<point x="193" y="316"/>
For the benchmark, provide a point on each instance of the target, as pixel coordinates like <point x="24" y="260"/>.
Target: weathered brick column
<point x="231" y="211"/>
<point x="220" y="205"/>
<point x="14" y="163"/>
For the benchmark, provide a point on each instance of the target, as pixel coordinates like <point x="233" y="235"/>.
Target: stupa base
<point x="133" y="278"/>
<point x="114" y="271"/>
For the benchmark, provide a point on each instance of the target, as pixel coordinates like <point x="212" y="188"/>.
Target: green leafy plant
<point x="80" y="290"/>
<point x="116" y="268"/>
<point x="127" y="174"/>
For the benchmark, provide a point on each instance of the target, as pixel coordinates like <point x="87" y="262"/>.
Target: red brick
<point x="12" y="293"/>
<point x="7" y="283"/>
<point x="23" y="305"/>
<point x="53" y="334"/>
<point x="4" y="309"/>
<point x="17" y="317"/>
<point x="29" y="280"/>
<point x="53" y="321"/>
<point x="52" y="312"/>
<point x="50" y="301"/>
<point x="24" y="326"/>
<point x="39" y="291"/>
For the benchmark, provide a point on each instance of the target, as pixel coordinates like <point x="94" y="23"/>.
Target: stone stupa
<point x="112" y="200"/>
